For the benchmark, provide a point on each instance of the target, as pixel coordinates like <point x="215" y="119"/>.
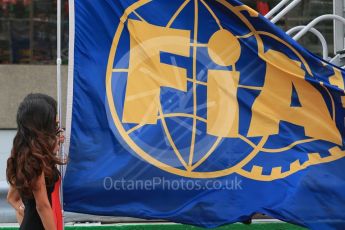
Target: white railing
<point x="316" y="21"/>
<point x="283" y="12"/>
<point x="285" y="6"/>
<point x="317" y="34"/>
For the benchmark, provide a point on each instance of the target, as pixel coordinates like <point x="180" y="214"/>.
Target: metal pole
<point x="285" y="11"/>
<point x="316" y="21"/>
<point x="334" y="59"/>
<point x="276" y="8"/>
<point x="58" y="59"/>
<point x="338" y="31"/>
<point x="316" y="33"/>
<point x="58" y="80"/>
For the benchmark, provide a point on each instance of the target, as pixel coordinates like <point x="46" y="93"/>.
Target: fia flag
<point x="200" y="112"/>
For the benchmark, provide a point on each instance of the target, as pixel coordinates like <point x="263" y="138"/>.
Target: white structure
<point x="6" y="138"/>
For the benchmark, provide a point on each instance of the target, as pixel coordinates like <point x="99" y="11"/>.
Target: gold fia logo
<point x="147" y="75"/>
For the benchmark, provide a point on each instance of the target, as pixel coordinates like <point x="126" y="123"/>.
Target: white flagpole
<point x="58" y="80"/>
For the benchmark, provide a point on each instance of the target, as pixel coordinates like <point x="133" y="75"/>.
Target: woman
<point x="32" y="167"/>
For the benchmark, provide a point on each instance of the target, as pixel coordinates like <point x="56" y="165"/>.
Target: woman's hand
<point x="60" y="139"/>
<point x="20" y="210"/>
<point x="20" y="215"/>
<point x="61" y="136"/>
<point x="15" y="201"/>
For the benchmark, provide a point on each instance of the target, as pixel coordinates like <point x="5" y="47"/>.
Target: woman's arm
<point x="43" y="206"/>
<point x="19" y="217"/>
<point x="13" y="198"/>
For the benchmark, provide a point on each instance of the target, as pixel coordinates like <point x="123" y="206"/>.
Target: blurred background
<point x="28" y="28"/>
<point x="28" y="31"/>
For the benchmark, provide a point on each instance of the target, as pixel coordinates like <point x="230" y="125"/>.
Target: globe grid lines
<point x="315" y="158"/>
<point x="195" y="41"/>
<point x="194" y="81"/>
<point x="195" y="44"/>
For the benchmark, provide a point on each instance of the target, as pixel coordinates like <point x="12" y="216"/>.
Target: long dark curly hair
<point x="34" y="144"/>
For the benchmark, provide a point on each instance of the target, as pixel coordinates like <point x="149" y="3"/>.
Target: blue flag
<point x="200" y="112"/>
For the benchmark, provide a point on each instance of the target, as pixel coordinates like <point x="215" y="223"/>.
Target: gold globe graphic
<point x="185" y="148"/>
